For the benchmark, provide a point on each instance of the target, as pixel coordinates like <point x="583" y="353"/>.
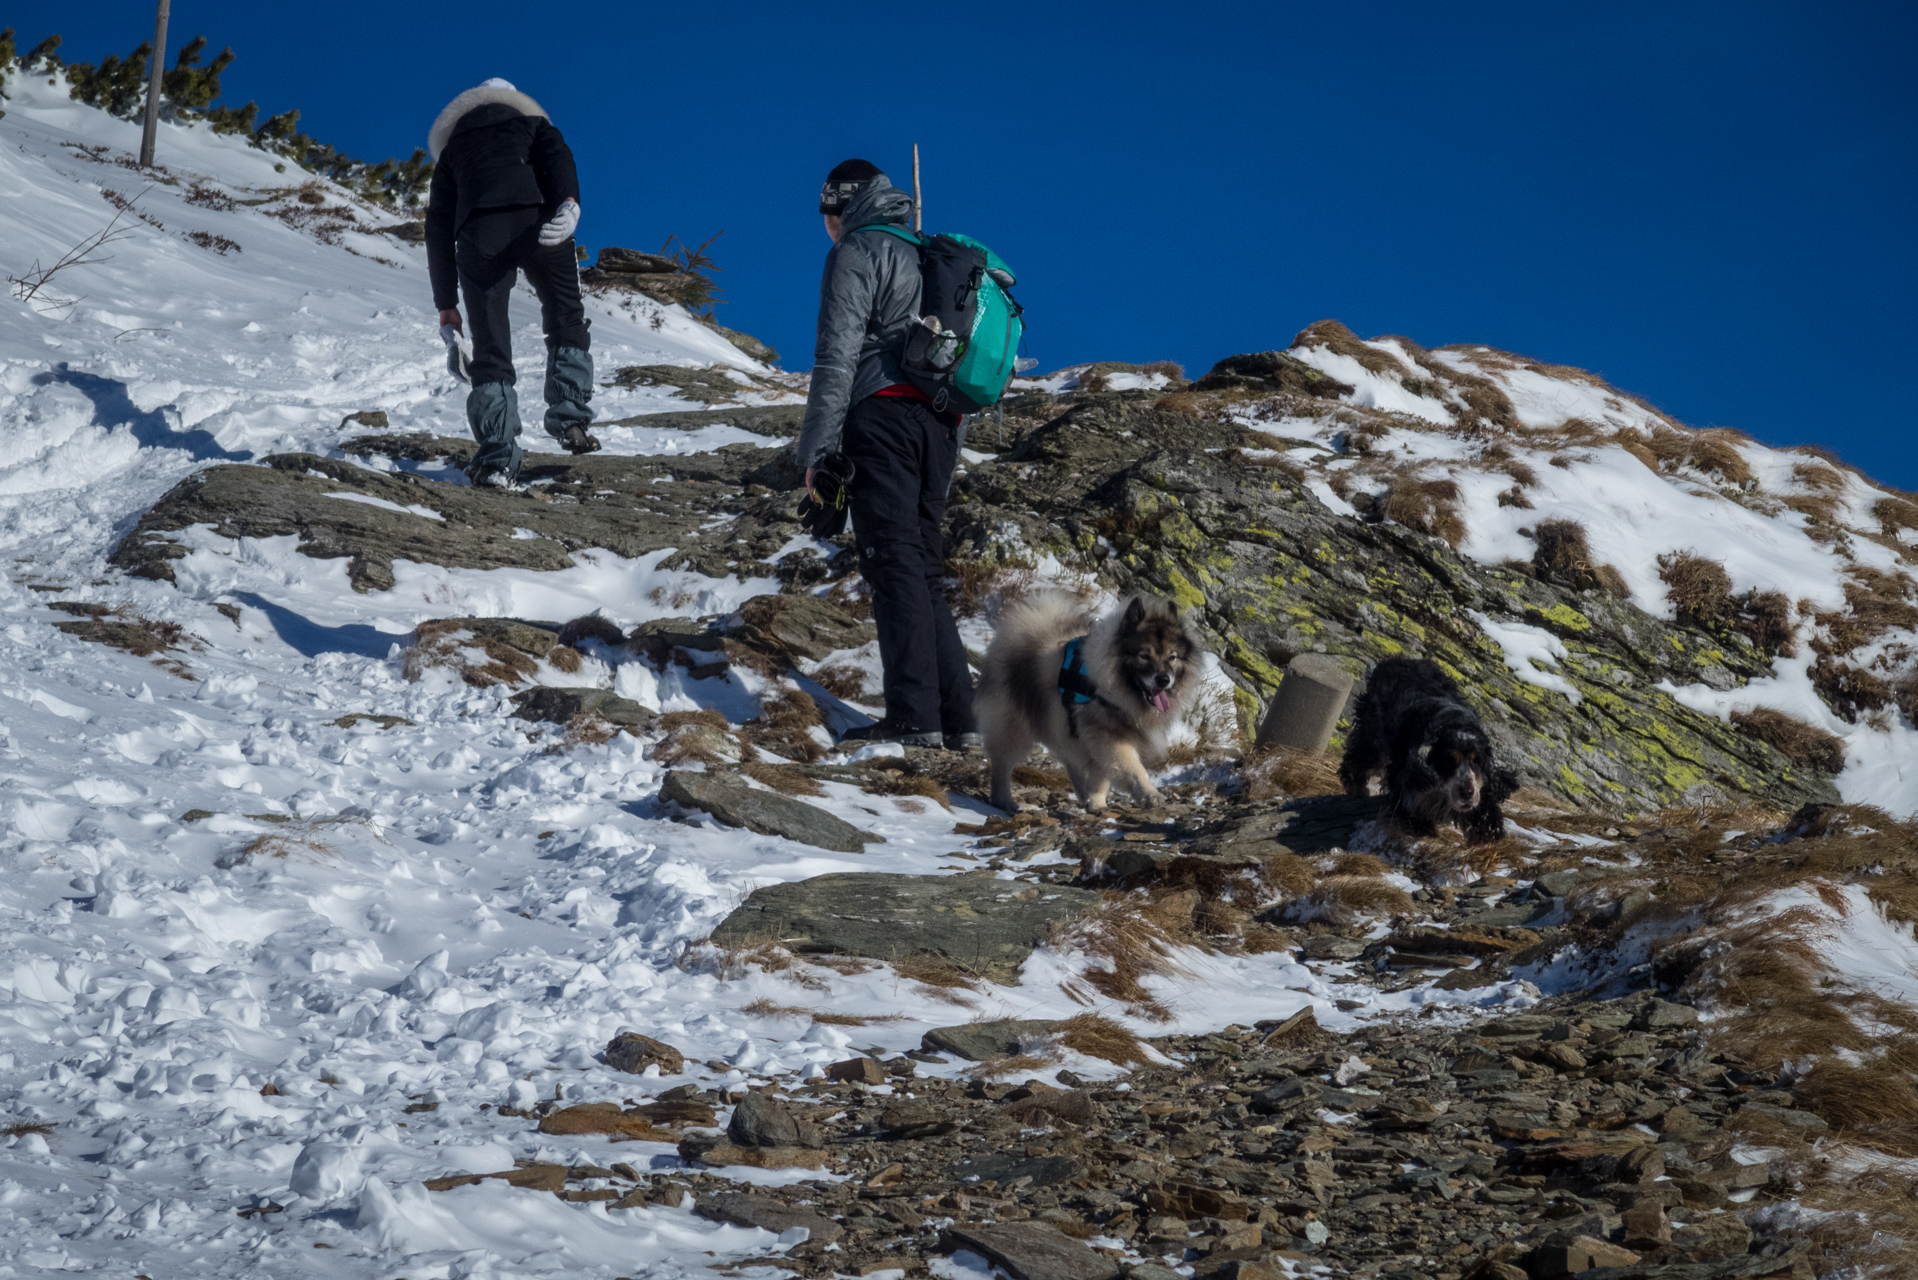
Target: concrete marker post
<point x="1308" y="705"/>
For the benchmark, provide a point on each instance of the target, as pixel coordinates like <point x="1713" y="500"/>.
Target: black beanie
<point x="843" y="183"/>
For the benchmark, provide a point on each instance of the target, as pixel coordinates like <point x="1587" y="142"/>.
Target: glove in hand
<point x="560" y="228"/>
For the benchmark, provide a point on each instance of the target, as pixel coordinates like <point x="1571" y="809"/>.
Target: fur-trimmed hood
<point x="482" y="96"/>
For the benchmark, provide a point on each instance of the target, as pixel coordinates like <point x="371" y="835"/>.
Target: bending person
<point x="505" y="199"/>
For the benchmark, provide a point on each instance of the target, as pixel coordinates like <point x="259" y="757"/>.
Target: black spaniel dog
<point x="1414" y="725"/>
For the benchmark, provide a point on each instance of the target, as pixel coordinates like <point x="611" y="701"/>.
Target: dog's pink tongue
<point x="1162" y="700"/>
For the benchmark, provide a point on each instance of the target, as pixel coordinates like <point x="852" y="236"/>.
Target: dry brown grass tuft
<point x="1850" y="691"/>
<point x="1347" y="900"/>
<point x="843" y="681"/>
<point x="1635" y="443"/>
<point x="936" y="972"/>
<point x="1805" y="745"/>
<point x="1102" y="1038"/>
<point x="1818" y="477"/>
<point x="1283" y="772"/>
<point x="585" y="731"/>
<point x="1499" y="458"/>
<point x="1764" y="618"/>
<point x="1134" y="939"/>
<point x="1430" y="506"/>
<point x="1716" y="450"/>
<point x="1204" y="404"/>
<point x="1356" y="864"/>
<point x="784" y="725"/>
<point x="1895" y="514"/>
<point x="699" y="737"/>
<point x="1564" y="556"/>
<point x="1699" y="589"/>
<point x="1820" y="509"/>
<point x="1335" y="337"/>
<point x="1875" y="602"/>
<point x="976" y="588"/>
<point x="448" y="642"/>
<point x="1027" y="775"/>
<point x="1287" y="875"/>
<point x="1861" y="1217"/>
<point x="1872" y="1101"/>
<point x="1281" y="464"/>
<point x="853" y="594"/>
<point x="764" y="1008"/>
<point x="911" y="784"/>
<point x="21" y="1128"/>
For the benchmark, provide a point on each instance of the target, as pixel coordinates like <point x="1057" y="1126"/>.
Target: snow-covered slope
<point x="1486" y="445"/>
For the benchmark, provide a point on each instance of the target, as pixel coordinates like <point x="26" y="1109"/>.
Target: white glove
<point x="560" y="229"/>
<point x="458" y="362"/>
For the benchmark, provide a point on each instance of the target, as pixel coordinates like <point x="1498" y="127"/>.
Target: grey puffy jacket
<point x="868" y="300"/>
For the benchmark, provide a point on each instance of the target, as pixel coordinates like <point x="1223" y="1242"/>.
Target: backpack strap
<point x="892" y="230"/>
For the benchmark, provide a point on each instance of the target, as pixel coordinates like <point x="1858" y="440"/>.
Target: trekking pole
<point x="153" y="88"/>
<point x="918" y="209"/>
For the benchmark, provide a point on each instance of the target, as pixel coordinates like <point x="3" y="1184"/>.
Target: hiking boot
<point x="965" y="742"/>
<point x="575" y="440"/>
<point x="494" y="478"/>
<point x="892" y="731"/>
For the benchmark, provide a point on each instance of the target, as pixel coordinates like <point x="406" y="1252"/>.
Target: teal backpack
<point x="962" y="352"/>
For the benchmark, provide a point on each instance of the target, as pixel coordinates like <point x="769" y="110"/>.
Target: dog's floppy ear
<point x="1135" y="611"/>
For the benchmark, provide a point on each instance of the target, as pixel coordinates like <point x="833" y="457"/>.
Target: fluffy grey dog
<point x="1108" y="716"/>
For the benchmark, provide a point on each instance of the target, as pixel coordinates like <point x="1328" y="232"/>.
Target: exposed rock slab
<point x="986" y="1041"/>
<point x="736" y="804"/>
<point x="986" y="926"/>
<point x="768" y="1215"/>
<point x="1031" y="1251"/>
<point x="374" y="518"/>
<point x="563" y="705"/>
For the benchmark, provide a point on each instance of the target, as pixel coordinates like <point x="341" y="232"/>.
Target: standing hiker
<point x="866" y="424"/>
<point x="505" y="199"/>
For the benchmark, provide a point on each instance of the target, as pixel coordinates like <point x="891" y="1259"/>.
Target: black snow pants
<point x="903" y="454"/>
<point x="493" y="247"/>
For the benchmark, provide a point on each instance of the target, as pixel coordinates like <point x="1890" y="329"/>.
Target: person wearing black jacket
<point x="505" y="199"/>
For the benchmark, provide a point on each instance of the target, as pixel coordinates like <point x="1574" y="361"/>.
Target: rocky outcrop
<point x="373" y="518"/>
<point x="984" y="926"/>
<point x="563" y="706"/>
<point x="1162" y="502"/>
<point x="738" y="804"/>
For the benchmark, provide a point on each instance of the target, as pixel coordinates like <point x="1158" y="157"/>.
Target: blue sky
<point x="1710" y="204"/>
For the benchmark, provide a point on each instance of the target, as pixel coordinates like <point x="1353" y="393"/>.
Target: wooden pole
<point x="153" y="88"/>
<point x="918" y="209"/>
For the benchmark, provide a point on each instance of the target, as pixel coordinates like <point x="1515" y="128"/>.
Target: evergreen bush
<point x="42" y="56"/>
<point x="7" y="58"/>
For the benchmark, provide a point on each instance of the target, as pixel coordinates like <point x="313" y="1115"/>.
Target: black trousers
<point x="493" y="247"/>
<point x="903" y="454"/>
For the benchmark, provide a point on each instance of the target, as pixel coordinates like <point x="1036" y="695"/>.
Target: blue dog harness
<point x="1076" y="688"/>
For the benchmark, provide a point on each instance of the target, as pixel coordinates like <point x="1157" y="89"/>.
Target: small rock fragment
<point x="630" y="1051"/>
